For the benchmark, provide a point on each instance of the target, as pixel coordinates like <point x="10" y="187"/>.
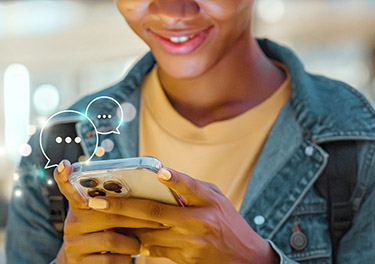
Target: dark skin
<point x="222" y="77"/>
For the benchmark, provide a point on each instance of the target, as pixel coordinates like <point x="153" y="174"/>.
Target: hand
<point x="208" y="230"/>
<point x="88" y="233"/>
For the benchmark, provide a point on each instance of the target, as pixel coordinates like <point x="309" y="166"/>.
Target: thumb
<point x="61" y="175"/>
<point x="193" y="192"/>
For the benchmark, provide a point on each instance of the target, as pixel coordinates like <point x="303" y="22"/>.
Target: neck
<point x="242" y="79"/>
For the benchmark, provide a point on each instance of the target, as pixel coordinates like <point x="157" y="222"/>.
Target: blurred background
<point x="54" y="52"/>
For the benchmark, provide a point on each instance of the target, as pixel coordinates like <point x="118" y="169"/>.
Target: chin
<point x="183" y="67"/>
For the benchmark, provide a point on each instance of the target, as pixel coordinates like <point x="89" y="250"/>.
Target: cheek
<point x="133" y="10"/>
<point x="223" y="10"/>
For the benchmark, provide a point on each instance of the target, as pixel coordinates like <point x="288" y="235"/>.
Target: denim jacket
<point x="280" y="191"/>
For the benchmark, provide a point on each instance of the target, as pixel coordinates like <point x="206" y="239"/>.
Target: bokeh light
<point x="82" y="158"/>
<point x="25" y="150"/>
<point x="31" y="130"/>
<point x="130" y="112"/>
<point x="17" y="193"/>
<point x="46" y="99"/>
<point x="100" y="152"/>
<point x="16" y="108"/>
<point x="271" y="11"/>
<point x="16" y="176"/>
<point x="108" y="145"/>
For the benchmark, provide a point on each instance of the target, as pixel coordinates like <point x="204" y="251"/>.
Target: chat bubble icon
<point x="59" y="139"/>
<point x="103" y="111"/>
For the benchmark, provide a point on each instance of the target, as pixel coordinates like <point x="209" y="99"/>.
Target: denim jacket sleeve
<point x="31" y="238"/>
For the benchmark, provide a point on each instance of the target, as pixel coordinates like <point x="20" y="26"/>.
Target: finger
<point x="192" y="191"/>
<point x="108" y="241"/>
<point x="213" y="187"/>
<point x="140" y="209"/>
<point x="61" y="175"/>
<point x="89" y="221"/>
<point x="175" y="254"/>
<point x="163" y="238"/>
<point x="105" y="259"/>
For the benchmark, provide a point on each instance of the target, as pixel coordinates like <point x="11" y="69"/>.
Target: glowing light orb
<point x="25" y="150"/>
<point x="100" y="152"/>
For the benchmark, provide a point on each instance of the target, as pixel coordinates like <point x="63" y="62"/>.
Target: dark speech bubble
<point x="59" y="139"/>
<point x="104" y="112"/>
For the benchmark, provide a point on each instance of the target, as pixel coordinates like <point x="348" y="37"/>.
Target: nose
<point x="172" y="11"/>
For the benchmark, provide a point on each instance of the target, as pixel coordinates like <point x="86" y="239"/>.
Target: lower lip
<point x="185" y="47"/>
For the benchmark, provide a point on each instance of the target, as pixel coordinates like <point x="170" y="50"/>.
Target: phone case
<point x="131" y="177"/>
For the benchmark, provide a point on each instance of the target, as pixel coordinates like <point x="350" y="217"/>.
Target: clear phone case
<point x="131" y="177"/>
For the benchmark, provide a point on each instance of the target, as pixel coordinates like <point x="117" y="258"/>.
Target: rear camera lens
<point x="113" y="186"/>
<point x="89" y="183"/>
<point x="94" y="193"/>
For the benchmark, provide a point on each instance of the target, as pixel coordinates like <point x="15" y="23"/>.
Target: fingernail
<point x="98" y="203"/>
<point x="61" y="167"/>
<point x="164" y="174"/>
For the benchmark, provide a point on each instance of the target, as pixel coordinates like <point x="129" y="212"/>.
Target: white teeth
<point x="180" y="39"/>
<point x="183" y="39"/>
<point x="175" y="39"/>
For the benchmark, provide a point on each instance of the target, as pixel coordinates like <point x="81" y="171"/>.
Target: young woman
<point x="244" y="120"/>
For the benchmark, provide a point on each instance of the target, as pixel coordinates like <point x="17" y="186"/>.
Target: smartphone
<point x="130" y="177"/>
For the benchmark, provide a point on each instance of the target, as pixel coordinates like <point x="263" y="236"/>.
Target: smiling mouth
<point x="181" y="42"/>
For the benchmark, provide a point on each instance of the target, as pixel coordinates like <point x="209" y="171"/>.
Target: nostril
<point x="192" y="8"/>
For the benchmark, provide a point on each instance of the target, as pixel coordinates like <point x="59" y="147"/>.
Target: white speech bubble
<point x="121" y="116"/>
<point x="45" y="124"/>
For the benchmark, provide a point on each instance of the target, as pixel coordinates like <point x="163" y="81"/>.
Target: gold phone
<point x="130" y="177"/>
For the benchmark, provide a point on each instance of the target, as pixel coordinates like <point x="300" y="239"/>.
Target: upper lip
<point x="169" y="33"/>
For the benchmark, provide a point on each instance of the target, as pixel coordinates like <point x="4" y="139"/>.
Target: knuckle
<point x="71" y="217"/>
<point x="71" y="224"/>
<point x="107" y="259"/>
<point x="154" y="210"/>
<point x="193" y="185"/>
<point x="176" y="180"/>
<point x="207" y="223"/>
<point x="69" y="248"/>
<point x="112" y="218"/>
<point x="214" y="188"/>
<point x="119" y="205"/>
<point x="109" y="241"/>
<point x="192" y="257"/>
<point x="200" y="244"/>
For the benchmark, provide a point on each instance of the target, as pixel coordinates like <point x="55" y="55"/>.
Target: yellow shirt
<point x="223" y="152"/>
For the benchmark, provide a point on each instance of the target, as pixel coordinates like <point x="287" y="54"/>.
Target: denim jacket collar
<point x="313" y="101"/>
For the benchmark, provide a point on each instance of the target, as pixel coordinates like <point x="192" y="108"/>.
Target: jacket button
<point x="309" y="151"/>
<point x="298" y="240"/>
<point x="259" y="220"/>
